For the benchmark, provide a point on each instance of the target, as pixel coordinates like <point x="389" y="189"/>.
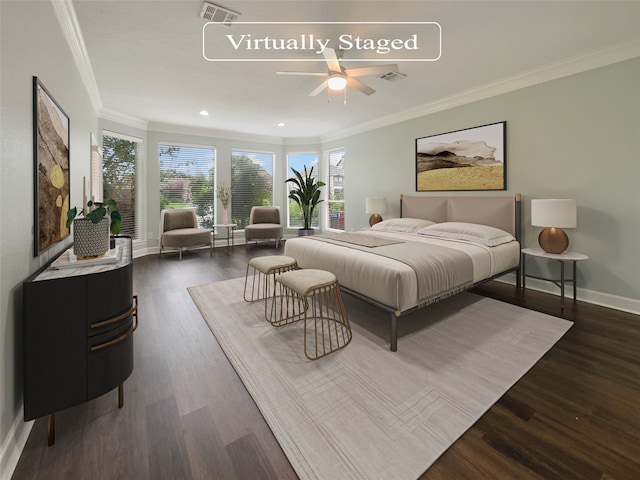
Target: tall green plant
<point x="306" y="193"/>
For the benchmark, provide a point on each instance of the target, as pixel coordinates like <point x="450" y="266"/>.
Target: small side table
<point x="560" y="257"/>
<point x="230" y="228"/>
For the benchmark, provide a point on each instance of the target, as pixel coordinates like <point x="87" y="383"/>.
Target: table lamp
<point x="554" y="215"/>
<point x="376" y="206"/>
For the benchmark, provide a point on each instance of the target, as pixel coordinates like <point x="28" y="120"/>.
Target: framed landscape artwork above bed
<point x="468" y="159"/>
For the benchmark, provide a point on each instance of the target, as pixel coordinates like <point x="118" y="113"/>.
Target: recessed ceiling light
<point x="204" y="113"/>
<point x="281" y="124"/>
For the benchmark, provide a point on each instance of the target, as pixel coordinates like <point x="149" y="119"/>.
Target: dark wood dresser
<point x="78" y="326"/>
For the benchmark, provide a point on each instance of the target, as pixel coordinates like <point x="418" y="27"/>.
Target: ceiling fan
<point x="338" y="78"/>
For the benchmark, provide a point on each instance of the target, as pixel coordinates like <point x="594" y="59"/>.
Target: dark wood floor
<point x="575" y="415"/>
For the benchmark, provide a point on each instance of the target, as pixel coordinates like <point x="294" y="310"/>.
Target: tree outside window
<point x="187" y="179"/>
<point x="251" y="184"/>
<point x="119" y="179"/>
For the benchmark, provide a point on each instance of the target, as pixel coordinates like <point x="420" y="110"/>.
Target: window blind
<point x="187" y="179"/>
<point x="121" y="154"/>
<point x="251" y="183"/>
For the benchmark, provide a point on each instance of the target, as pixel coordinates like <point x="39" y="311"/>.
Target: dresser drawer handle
<point x="124" y="336"/>
<point x="119" y="317"/>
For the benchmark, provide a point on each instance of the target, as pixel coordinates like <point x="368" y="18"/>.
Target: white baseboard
<point x="13" y="445"/>
<point x="608" y="300"/>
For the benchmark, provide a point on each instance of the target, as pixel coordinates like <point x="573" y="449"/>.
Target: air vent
<point x="215" y="13"/>
<point x="393" y="76"/>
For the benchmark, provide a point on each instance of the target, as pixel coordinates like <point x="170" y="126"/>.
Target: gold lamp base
<point x="553" y="240"/>
<point x="375" y="218"/>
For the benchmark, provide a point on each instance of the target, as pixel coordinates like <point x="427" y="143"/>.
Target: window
<point x="299" y="161"/>
<point x="336" y="190"/>
<point x="97" y="186"/>
<point x="121" y="156"/>
<point x="251" y="183"/>
<point x="187" y="179"/>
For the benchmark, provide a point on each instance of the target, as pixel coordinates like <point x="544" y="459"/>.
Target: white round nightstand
<point x="560" y="257"/>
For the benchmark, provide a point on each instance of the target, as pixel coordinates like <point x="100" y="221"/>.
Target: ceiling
<point x="147" y="58"/>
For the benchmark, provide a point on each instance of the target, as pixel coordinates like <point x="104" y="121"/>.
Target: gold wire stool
<point x="313" y="296"/>
<point x="260" y="277"/>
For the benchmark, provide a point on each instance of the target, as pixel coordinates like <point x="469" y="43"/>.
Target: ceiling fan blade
<point x="372" y="70"/>
<point x="314" y="74"/>
<point x="318" y="89"/>
<point x="331" y="59"/>
<point x="367" y="90"/>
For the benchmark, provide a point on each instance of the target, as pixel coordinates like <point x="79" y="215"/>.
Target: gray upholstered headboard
<point x="501" y="212"/>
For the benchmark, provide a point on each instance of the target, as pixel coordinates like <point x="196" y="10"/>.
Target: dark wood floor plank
<point x="167" y="455"/>
<point x="574" y="415"/>
<point x="207" y="455"/>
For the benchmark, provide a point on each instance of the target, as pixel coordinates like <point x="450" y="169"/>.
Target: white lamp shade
<point x="554" y="212"/>
<point x="376" y="205"/>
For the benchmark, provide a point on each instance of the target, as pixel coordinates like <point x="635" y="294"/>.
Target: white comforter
<point x="388" y="281"/>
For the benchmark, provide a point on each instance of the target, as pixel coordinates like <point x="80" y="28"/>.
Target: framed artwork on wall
<point x="468" y="159"/>
<point x="51" y="136"/>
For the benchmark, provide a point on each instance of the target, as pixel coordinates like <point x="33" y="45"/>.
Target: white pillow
<point x="408" y="225"/>
<point x="471" y="232"/>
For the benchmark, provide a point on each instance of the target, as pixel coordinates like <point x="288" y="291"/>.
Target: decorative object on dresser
<point x="78" y="329"/>
<point x="306" y="193"/>
<point x="91" y="232"/>
<point x="376" y="206"/>
<point x="553" y="214"/>
<point x="51" y="169"/>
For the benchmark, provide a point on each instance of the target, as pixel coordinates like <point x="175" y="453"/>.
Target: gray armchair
<point x="179" y="229"/>
<point x="264" y="224"/>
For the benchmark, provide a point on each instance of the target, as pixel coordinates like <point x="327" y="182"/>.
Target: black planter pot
<point x="305" y="232"/>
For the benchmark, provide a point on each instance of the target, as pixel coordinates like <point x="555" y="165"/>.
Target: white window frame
<point x="327" y="174"/>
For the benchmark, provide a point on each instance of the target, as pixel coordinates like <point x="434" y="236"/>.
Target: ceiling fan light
<point x="337" y="81"/>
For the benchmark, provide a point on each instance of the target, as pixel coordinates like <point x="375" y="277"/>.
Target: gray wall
<point x="574" y="137"/>
<point x="23" y="56"/>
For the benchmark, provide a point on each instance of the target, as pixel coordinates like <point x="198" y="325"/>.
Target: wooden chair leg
<point x="51" y="429"/>
<point x="121" y="395"/>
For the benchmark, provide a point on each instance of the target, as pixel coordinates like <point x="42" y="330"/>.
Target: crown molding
<point x="552" y="71"/>
<point x="122" y="118"/>
<point x="211" y="132"/>
<point x="66" y="15"/>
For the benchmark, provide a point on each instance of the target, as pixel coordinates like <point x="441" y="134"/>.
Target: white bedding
<point x="391" y="282"/>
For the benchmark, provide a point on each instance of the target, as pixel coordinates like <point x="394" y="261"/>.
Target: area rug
<point x="365" y="412"/>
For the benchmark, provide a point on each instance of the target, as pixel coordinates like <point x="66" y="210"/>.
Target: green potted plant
<point x="91" y="232"/>
<point x="306" y="193"/>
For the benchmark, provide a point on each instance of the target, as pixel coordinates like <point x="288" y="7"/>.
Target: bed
<point x="439" y="246"/>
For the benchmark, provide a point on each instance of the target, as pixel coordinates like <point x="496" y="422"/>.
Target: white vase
<point x="225" y="216"/>
<point x="90" y="239"/>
